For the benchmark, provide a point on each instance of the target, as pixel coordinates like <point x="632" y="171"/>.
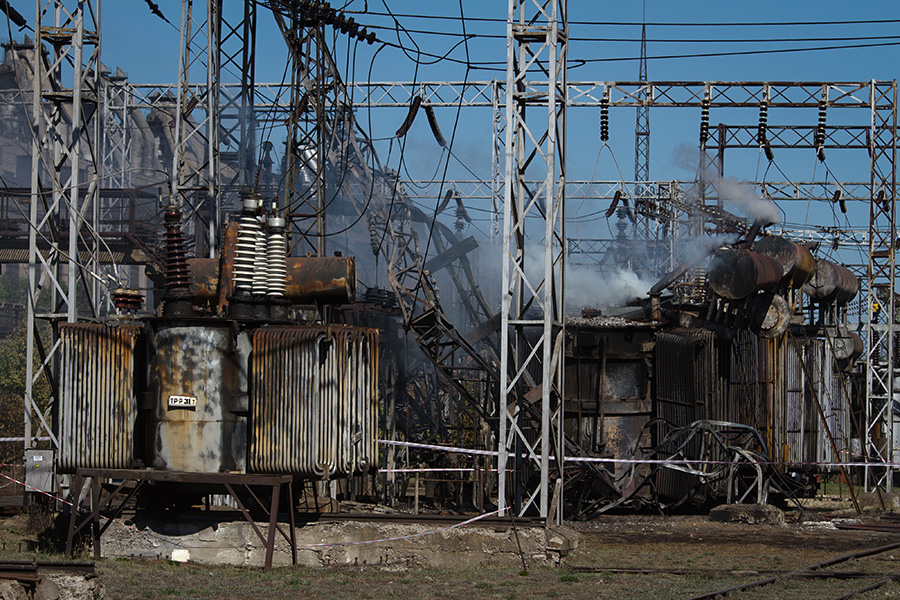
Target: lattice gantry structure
<point x="214" y="125"/>
<point x="531" y="411"/>
<point x="881" y="369"/>
<point x="63" y="250"/>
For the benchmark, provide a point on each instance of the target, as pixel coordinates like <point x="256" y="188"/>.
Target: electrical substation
<point x="235" y="303"/>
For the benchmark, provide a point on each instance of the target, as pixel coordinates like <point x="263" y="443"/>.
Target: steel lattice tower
<point x="642" y="125"/>
<point x="63" y="240"/>
<point x="531" y="411"/>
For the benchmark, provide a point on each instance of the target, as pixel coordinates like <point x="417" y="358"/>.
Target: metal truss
<point x="116" y="127"/>
<point x="642" y="122"/>
<point x="533" y="311"/>
<point x="195" y="167"/>
<point x="319" y="126"/>
<point x="274" y="98"/>
<point x="63" y="251"/>
<point x="236" y="48"/>
<point x="881" y="409"/>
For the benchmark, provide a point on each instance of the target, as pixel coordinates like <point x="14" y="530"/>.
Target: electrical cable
<point x="766" y="24"/>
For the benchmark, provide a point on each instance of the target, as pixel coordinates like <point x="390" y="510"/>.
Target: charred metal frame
<point x="64" y="182"/>
<point x="537" y="51"/>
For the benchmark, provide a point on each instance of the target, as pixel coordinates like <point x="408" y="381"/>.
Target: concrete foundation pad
<point x="340" y="543"/>
<point x="754" y="514"/>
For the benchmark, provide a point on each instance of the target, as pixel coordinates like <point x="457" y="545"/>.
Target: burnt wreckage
<point x="741" y="378"/>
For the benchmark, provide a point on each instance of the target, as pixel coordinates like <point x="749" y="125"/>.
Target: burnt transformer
<point x="225" y="378"/>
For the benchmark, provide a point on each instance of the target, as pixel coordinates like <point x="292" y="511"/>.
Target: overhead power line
<point x="639" y="23"/>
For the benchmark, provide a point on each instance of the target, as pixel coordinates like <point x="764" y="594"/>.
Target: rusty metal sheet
<point x="321" y="279"/>
<point x="98" y="407"/>
<point x="738" y="273"/>
<point x="194" y="382"/>
<point x="310" y="280"/>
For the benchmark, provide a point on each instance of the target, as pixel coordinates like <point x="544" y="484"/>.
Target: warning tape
<point x="634" y="461"/>
<point x="433" y="470"/>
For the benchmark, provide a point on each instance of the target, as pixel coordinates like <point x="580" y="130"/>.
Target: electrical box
<point x="40" y="471"/>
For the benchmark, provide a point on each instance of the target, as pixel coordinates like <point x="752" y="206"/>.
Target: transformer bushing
<point x="246" y="260"/>
<point x="177" y="299"/>
<point x="276" y="268"/>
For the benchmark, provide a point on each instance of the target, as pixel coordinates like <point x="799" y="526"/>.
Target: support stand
<point x="230" y="481"/>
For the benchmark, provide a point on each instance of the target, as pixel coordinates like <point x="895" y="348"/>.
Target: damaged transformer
<point x="227" y="376"/>
<point x="749" y="392"/>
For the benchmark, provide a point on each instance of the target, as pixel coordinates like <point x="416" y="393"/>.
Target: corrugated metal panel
<point x="313" y="400"/>
<point x="682" y="381"/>
<point x="97" y="400"/>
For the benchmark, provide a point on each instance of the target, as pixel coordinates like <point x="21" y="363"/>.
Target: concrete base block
<point x="754" y="514"/>
<point x="341" y="543"/>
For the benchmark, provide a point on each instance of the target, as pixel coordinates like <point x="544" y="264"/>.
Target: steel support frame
<point x="274" y="99"/>
<point x="881" y="371"/>
<point x="63" y="249"/>
<point x="319" y="126"/>
<point x="236" y="49"/>
<point x="531" y="412"/>
<point x="195" y="163"/>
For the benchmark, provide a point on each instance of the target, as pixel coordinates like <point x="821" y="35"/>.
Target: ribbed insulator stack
<point x="373" y="238"/>
<point x="276" y="259"/>
<point x="246" y="257"/>
<point x="704" y="121"/>
<point x="260" y="268"/>
<point x="127" y="301"/>
<point x="761" y="129"/>
<point x="820" y="130"/>
<point x="820" y="126"/>
<point x="176" y="252"/>
<point x="604" y="119"/>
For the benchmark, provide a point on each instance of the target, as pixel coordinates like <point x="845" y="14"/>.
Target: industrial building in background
<point x="203" y="339"/>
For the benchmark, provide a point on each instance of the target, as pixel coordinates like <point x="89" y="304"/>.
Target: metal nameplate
<point x="182" y="402"/>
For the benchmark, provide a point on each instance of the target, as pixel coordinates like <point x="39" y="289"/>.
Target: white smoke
<point x="736" y="196"/>
<point x="587" y="288"/>
<point x="740" y="196"/>
<point x="696" y="249"/>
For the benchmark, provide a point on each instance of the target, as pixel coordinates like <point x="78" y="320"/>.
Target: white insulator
<point x="259" y="267"/>
<point x="276" y="256"/>
<point x="245" y="255"/>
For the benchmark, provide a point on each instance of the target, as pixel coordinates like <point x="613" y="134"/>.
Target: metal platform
<point x="104" y="511"/>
